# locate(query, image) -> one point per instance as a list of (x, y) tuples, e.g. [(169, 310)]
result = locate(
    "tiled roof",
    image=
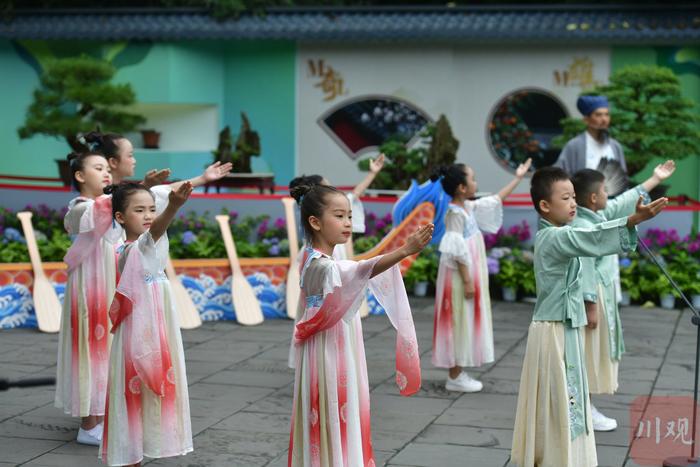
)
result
[(486, 24)]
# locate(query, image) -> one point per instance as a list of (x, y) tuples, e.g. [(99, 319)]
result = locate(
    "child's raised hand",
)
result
[(419, 239), (523, 168), (375, 165), (155, 177), (216, 171), (645, 212), (665, 170), (179, 196)]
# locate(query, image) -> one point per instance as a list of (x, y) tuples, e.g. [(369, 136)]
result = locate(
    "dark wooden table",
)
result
[(263, 181)]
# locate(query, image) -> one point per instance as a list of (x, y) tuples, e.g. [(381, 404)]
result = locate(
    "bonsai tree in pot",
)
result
[(247, 146), (76, 96)]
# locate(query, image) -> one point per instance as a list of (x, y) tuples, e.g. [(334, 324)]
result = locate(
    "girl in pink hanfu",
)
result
[(341, 250), (463, 329), (147, 403), (331, 412), (84, 341)]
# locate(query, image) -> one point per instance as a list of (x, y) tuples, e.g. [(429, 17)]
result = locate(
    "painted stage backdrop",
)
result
[(211, 295)]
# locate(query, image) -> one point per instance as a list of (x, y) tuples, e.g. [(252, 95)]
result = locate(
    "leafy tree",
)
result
[(649, 116), (437, 147), (76, 96)]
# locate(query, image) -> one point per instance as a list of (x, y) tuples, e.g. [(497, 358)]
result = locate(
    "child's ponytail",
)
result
[(450, 176), (106, 143)]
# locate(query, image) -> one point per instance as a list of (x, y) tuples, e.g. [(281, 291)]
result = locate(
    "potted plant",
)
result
[(417, 276), (76, 96), (508, 278), (524, 264), (629, 282), (151, 139), (692, 288), (664, 291)]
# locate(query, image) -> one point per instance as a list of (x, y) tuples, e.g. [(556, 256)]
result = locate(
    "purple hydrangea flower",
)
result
[(262, 229), (493, 265), (625, 263), (274, 250), (13, 235), (188, 237)]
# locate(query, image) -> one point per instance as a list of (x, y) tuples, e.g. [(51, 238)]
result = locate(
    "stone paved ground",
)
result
[(241, 390)]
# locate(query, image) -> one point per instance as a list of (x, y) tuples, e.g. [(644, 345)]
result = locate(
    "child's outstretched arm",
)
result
[(212, 173), (645, 212), (519, 174), (155, 177), (175, 200), (607, 238), (661, 173), (415, 243), (375, 166)]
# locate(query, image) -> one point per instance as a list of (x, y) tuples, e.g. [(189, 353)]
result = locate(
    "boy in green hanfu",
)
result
[(553, 419), (603, 335)]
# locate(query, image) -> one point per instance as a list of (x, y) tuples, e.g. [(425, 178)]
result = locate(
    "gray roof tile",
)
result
[(572, 24)]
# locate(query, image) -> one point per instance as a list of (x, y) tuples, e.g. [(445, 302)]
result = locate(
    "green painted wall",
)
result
[(35, 156), (686, 180), (255, 77), (260, 81)]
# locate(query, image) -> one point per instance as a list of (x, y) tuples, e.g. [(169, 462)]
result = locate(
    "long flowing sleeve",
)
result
[(603, 239), (488, 212), (161, 193), (624, 204), (452, 247), (343, 302), (589, 283), (135, 307), (92, 222)]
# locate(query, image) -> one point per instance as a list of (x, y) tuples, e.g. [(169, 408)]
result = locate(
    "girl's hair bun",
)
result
[(299, 191)]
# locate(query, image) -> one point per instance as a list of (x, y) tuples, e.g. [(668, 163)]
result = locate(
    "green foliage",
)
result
[(76, 96), (424, 268), (649, 116), (516, 271), (400, 167), (437, 147)]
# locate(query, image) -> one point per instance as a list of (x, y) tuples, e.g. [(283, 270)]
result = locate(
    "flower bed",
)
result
[(191, 235), (642, 279)]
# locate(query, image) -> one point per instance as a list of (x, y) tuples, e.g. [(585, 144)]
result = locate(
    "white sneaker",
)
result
[(91, 437), (601, 422), (463, 383)]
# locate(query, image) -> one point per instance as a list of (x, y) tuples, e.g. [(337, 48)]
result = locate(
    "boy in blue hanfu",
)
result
[(604, 345), (553, 417)]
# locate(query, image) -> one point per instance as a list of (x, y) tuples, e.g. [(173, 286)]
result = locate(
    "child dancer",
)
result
[(83, 341), (358, 210), (330, 417), (358, 223), (147, 404), (463, 330), (120, 154), (604, 345), (553, 420)]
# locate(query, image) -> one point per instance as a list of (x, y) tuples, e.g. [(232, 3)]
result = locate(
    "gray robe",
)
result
[(573, 156)]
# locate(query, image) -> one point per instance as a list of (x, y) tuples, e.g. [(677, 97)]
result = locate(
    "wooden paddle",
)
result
[(46, 304), (293, 289), (187, 310), (245, 302)]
